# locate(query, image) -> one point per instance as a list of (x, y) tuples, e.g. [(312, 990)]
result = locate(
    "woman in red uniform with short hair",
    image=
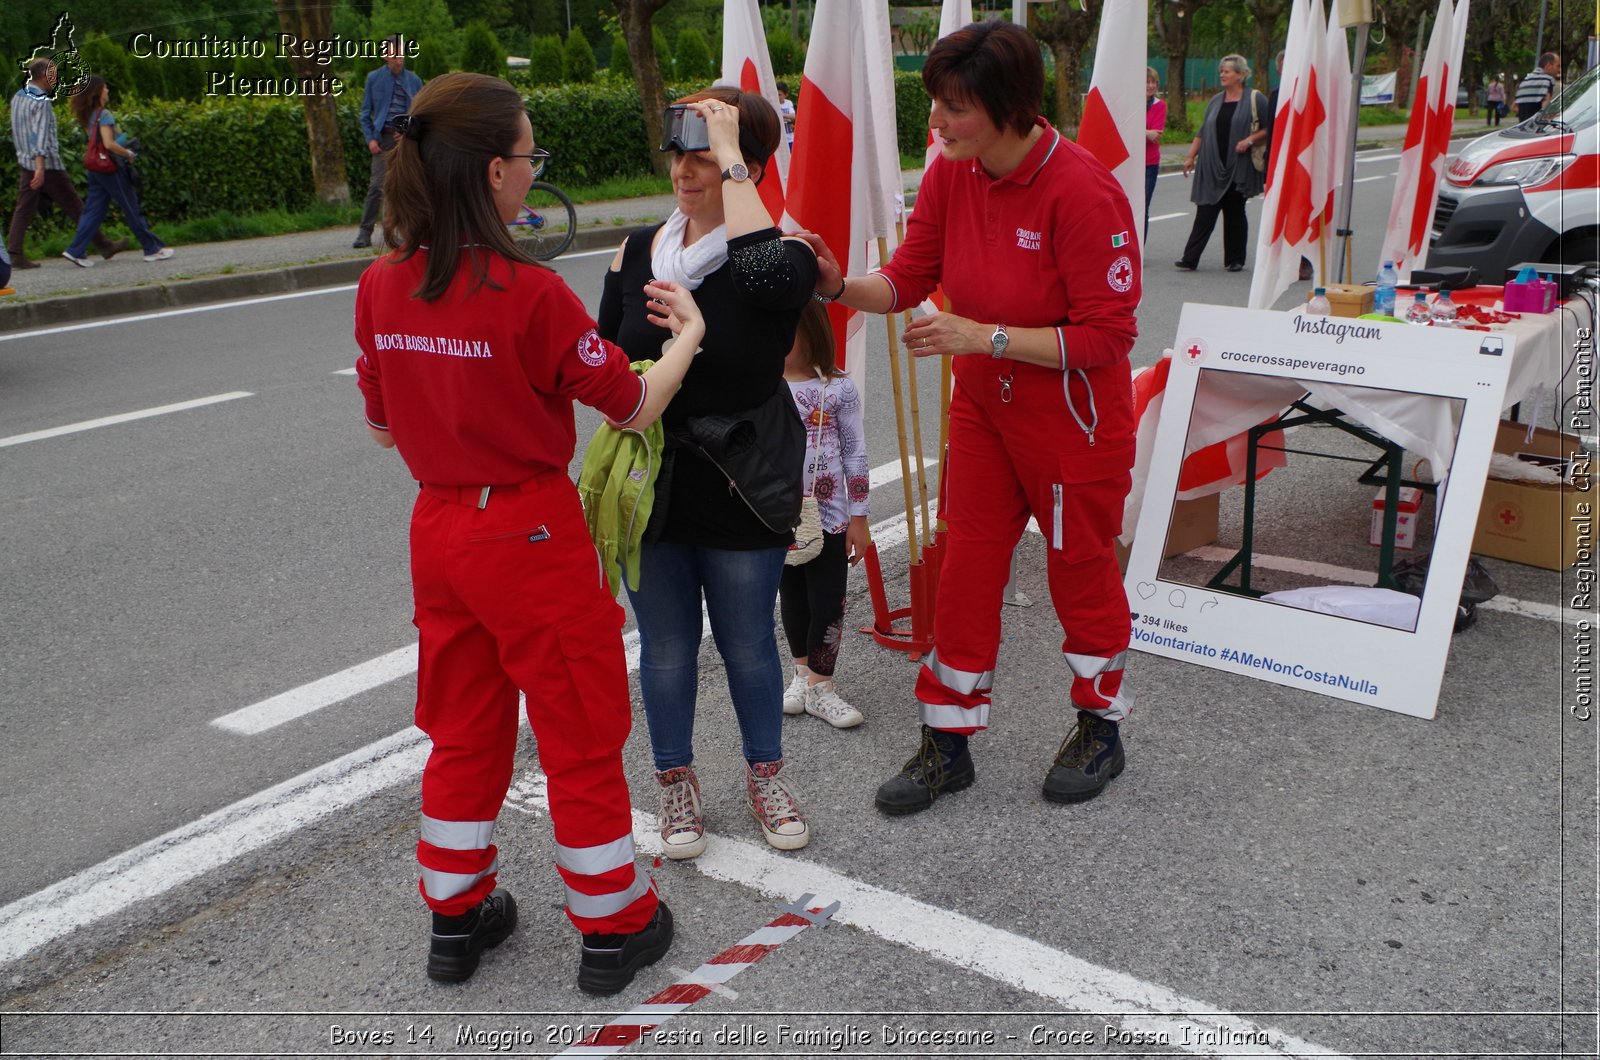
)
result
[(1031, 238), (472, 354)]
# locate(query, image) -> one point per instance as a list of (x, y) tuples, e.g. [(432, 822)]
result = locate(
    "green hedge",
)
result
[(236, 154), (246, 155)]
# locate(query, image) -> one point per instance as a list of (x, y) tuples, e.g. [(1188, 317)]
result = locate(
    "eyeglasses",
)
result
[(538, 159)]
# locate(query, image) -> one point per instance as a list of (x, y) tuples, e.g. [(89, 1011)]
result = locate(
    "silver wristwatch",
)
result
[(999, 341)]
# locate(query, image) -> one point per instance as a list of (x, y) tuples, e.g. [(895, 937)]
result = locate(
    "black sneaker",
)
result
[(610, 962), (1182, 265), (363, 240), (939, 767), (1090, 757), (458, 941)]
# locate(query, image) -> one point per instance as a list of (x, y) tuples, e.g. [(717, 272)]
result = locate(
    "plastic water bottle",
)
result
[(1419, 313), (1383, 295), (1319, 305), (1444, 310)]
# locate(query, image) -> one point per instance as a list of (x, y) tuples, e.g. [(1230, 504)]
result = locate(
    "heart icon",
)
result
[(1146, 590)]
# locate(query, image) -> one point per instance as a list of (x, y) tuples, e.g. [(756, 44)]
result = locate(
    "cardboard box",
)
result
[(1405, 528), (1540, 525), (1347, 300), (1194, 523)]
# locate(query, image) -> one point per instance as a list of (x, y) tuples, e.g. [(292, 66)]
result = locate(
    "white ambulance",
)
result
[(1529, 192)]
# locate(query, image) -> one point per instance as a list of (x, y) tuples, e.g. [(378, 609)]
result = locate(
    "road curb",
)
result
[(127, 301)]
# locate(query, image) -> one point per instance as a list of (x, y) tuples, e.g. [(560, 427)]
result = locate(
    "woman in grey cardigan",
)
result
[(1225, 176)]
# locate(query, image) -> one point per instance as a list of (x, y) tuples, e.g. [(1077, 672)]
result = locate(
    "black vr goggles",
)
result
[(683, 129)]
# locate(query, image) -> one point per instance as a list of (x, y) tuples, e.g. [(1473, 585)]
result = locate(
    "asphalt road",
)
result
[(1325, 874)]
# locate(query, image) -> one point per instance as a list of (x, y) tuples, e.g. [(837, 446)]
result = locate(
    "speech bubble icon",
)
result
[(1177, 598)]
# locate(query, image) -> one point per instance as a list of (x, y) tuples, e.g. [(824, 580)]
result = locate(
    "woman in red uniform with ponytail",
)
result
[(472, 354), (1031, 238)]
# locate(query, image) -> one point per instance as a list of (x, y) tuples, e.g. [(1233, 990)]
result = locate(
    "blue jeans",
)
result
[(1150, 175), (105, 189), (740, 587)]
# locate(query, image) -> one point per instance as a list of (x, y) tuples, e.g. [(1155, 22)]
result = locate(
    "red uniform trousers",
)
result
[(510, 595), (1007, 460)]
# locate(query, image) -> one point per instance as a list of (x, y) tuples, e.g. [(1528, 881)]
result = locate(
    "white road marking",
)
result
[(974, 946), (1376, 158), (345, 371), (165, 313), (153, 868), (1380, 176), (123, 417), (156, 867), (1167, 216), (298, 702)]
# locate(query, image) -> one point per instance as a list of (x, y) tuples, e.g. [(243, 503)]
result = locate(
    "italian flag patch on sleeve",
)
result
[(1119, 240)]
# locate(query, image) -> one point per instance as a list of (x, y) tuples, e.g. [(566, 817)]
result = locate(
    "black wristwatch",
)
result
[(825, 298)]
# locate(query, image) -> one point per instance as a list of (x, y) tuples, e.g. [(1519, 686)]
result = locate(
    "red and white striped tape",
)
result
[(630, 1027)]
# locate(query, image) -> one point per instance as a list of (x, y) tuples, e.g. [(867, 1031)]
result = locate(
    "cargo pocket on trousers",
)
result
[(1085, 516), (591, 647)]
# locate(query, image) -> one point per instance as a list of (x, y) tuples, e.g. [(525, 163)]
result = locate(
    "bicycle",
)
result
[(546, 220)]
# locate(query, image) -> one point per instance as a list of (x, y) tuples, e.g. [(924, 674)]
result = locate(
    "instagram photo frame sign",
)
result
[(1435, 391)]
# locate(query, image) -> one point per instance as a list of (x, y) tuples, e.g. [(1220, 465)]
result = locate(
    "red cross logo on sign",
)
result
[(1509, 516), (1194, 352)]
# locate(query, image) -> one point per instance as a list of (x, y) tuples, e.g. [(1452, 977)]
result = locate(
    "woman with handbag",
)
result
[(109, 182), (1229, 160), (811, 594), (705, 539)]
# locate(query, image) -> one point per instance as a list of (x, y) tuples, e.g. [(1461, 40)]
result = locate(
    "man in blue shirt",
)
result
[(389, 92), (33, 130)]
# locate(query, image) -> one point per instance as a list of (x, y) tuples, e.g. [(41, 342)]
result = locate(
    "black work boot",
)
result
[(941, 765), (610, 962), (458, 941), (363, 239), (1090, 757)]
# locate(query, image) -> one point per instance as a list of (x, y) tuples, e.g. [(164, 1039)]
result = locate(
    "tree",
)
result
[(1173, 24), (636, 16), (311, 20), (693, 56), (1266, 14), (480, 52), (579, 56), (620, 66), (1067, 26), (433, 58), (546, 63), (919, 32)]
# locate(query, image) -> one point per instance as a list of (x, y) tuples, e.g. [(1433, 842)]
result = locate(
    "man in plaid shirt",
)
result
[(33, 129)]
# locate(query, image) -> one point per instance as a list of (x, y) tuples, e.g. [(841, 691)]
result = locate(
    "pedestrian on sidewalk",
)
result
[(33, 131), (1155, 123), (1041, 423), (1237, 121), (811, 593), (1539, 87), (89, 107), (388, 95), (490, 350), (706, 541), (1496, 98)]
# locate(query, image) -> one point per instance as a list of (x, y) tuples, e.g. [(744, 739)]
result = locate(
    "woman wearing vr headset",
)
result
[(703, 541), (1031, 238), (472, 354)]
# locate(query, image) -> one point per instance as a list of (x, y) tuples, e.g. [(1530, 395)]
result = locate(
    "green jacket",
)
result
[(618, 487)]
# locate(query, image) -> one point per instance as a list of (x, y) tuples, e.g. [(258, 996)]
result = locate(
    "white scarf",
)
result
[(688, 265)]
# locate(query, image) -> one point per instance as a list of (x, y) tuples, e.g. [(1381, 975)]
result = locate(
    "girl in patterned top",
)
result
[(811, 595)]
